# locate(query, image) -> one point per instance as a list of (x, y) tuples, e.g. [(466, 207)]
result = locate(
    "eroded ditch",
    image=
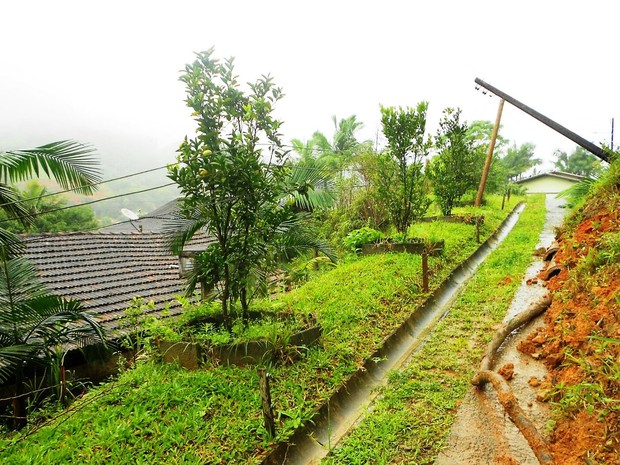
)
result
[(335, 419)]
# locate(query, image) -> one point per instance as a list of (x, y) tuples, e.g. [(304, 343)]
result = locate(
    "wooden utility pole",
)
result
[(487, 163)]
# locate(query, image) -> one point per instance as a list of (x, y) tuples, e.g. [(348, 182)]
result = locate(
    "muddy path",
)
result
[(482, 433)]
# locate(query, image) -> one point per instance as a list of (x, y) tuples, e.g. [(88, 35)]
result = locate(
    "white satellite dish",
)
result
[(127, 213)]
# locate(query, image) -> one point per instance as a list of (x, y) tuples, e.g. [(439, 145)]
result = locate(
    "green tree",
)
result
[(49, 214), (520, 159), (401, 182), (579, 162), (232, 187), (453, 170), (480, 131)]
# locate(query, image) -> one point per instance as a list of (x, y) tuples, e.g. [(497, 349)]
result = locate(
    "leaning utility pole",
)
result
[(589, 146), (487, 162)]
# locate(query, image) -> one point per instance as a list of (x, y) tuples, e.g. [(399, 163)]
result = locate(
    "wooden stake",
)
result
[(265, 394), (487, 163), (425, 270)]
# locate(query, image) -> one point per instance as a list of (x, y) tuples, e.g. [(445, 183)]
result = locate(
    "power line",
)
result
[(35, 215), (84, 186)]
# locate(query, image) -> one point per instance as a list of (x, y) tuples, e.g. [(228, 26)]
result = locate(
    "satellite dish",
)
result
[(129, 214), (132, 217)]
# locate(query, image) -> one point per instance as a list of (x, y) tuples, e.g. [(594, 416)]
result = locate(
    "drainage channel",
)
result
[(338, 416)]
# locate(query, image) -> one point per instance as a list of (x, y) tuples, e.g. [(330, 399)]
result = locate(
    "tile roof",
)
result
[(105, 271)]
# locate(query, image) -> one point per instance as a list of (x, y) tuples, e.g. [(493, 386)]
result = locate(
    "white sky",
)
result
[(106, 72)]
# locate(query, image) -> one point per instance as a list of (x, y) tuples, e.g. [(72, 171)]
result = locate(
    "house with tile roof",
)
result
[(106, 270)]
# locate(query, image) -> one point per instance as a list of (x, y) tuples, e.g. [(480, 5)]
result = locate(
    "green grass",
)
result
[(412, 418), (164, 414)]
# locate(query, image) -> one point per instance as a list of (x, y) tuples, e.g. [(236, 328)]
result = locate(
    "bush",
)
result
[(361, 236)]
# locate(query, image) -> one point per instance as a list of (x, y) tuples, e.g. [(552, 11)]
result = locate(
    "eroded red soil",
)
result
[(580, 342)]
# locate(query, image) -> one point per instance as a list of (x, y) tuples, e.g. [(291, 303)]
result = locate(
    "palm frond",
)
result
[(180, 229), (11, 356), (311, 185), (10, 245), (10, 202), (579, 191), (295, 237), (68, 162), (18, 286)]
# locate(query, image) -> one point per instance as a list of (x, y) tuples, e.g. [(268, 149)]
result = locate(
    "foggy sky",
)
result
[(107, 73)]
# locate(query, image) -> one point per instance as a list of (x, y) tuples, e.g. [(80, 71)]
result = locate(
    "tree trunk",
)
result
[(225, 298), (19, 401), (243, 298)]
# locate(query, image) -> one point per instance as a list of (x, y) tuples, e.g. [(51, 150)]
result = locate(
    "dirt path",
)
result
[(482, 433)]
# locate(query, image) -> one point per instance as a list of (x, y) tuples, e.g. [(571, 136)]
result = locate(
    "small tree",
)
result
[(401, 183), (453, 170), (234, 180), (223, 174)]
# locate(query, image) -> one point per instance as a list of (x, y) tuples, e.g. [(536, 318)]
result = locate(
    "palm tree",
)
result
[(68, 162), (520, 159), (34, 323), (338, 152)]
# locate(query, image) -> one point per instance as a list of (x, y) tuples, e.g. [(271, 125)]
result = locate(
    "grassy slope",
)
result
[(413, 417), (163, 414)]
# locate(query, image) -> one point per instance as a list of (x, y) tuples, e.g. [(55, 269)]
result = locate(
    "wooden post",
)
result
[(265, 395), (425, 270), (487, 162)]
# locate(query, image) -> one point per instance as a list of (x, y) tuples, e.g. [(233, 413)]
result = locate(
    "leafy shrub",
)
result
[(361, 236)]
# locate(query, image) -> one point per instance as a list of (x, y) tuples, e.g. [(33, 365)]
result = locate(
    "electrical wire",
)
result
[(50, 194), (35, 215)]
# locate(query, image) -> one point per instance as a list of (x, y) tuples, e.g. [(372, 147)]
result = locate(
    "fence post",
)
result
[(425, 269), (265, 394)]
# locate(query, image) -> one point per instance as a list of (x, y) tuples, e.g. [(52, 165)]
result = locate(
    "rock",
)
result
[(507, 371), (534, 381)]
